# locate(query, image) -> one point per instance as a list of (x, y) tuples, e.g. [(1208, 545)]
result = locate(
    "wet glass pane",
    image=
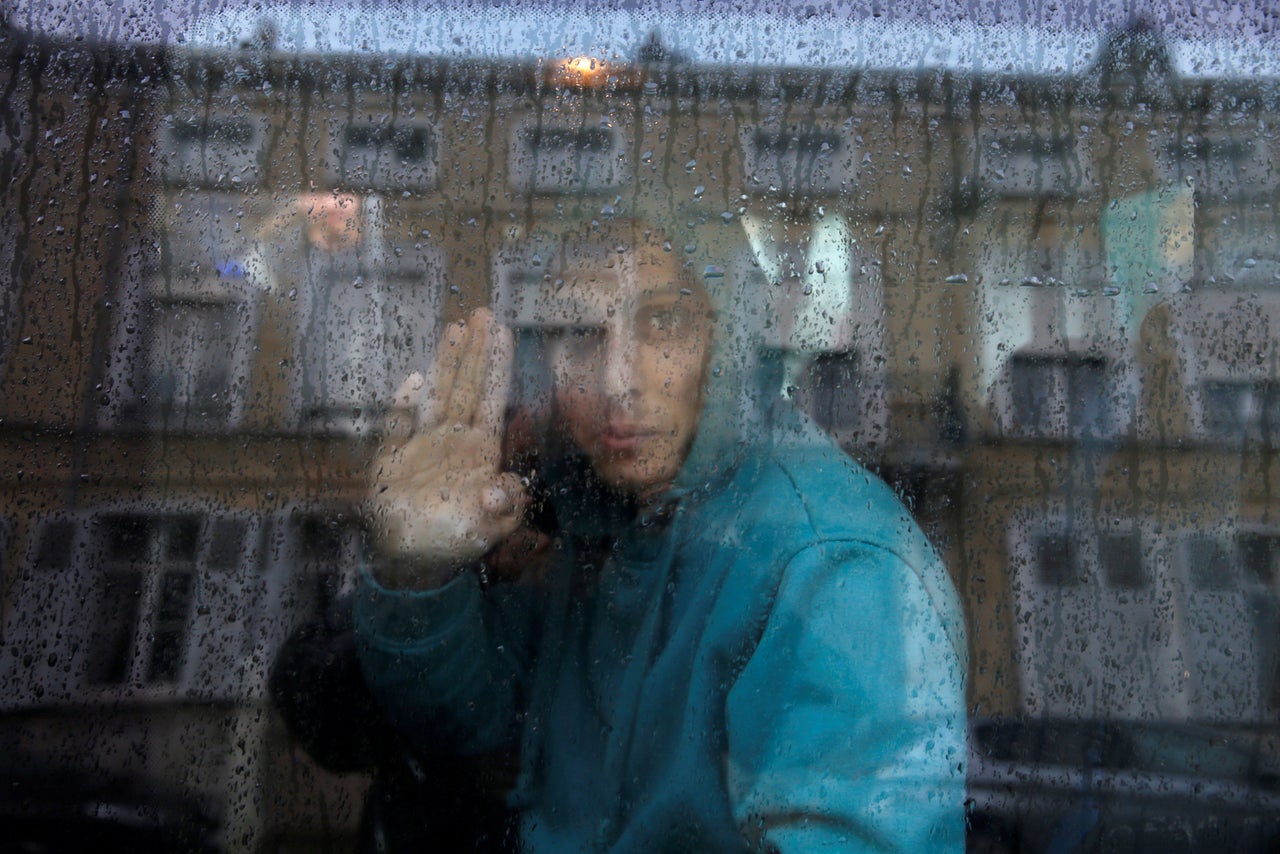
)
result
[(877, 405)]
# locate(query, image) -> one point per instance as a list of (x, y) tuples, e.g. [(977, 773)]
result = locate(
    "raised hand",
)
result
[(438, 498)]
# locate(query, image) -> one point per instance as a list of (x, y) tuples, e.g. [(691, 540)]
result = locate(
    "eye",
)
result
[(665, 319), (579, 342), (663, 324)]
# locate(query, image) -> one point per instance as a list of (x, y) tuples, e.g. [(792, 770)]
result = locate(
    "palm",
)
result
[(439, 496)]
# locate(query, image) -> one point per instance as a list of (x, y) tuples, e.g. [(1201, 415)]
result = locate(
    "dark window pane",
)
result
[(321, 538), (170, 626), (190, 363), (1209, 563), (1226, 409), (829, 390), (1056, 561), (1060, 393), (175, 596), (1121, 559), (115, 625), (127, 538), (56, 540), (227, 540), (1034, 394), (1258, 556), (184, 538), (1237, 411), (166, 655), (1087, 398)]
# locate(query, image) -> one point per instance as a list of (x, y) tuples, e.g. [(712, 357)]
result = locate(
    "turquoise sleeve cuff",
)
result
[(400, 619)]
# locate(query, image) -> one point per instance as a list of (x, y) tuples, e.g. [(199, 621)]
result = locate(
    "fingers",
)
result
[(407, 395), (471, 376), (401, 418), (468, 387), (438, 493), (451, 520), (491, 418), (443, 376), (488, 509), (502, 503), (505, 496)]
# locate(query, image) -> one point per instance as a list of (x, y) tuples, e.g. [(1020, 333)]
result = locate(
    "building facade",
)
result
[(1042, 302)]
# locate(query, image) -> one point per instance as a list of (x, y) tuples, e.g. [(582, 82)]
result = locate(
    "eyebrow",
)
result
[(674, 293), (664, 295)]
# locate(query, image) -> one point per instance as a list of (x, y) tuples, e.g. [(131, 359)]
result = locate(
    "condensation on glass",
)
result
[(1028, 275)]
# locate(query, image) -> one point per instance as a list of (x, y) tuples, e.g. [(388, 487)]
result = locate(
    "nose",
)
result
[(619, 369)]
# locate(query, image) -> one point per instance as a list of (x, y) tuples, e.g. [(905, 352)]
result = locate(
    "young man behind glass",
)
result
[(742, 641)]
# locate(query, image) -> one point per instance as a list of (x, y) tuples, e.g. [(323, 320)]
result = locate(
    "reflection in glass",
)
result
[(1023, 271)]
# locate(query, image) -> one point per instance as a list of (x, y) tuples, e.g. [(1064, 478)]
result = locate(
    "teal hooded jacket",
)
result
[(774, 659)]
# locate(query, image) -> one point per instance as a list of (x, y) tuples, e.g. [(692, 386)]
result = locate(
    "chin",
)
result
[(622, 481), (633, 479)]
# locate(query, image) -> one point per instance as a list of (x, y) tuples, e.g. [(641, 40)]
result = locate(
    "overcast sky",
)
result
[(171, 21)]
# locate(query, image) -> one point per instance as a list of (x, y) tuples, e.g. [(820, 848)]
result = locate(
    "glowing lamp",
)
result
[(585, 72)]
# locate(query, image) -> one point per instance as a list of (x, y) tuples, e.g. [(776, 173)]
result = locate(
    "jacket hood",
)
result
[(782, 290), (744, 376)]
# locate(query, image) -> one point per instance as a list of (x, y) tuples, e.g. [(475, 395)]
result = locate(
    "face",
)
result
[(333, 220), (629, 364)]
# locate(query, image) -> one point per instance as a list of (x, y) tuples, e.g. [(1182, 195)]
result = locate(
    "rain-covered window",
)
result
[(872, 392)]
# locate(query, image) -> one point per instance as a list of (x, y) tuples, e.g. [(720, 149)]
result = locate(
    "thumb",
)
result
[(505, 496)]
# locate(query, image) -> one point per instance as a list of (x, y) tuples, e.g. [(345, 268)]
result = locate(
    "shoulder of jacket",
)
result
[(816, 493)]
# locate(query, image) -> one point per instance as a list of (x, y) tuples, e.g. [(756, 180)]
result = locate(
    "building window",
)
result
[(135, 603), (1241, 410), (189, 371), (186, 322), (1057, 560), (220, 151), (385, 157), (190, 367), (567, 159), (54, 546), (368, 319), (1059, 396), (148, 574), (1120, 557), (1035, 166), (330, 550), (1236, 250), (1222, 168), (1210, 563), (829, 392), (798, 160)]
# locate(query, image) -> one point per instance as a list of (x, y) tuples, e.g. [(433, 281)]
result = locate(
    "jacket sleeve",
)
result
[(449, 665), (846, 728)]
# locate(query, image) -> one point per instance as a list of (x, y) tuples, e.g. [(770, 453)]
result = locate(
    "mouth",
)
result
[(622, 437)]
